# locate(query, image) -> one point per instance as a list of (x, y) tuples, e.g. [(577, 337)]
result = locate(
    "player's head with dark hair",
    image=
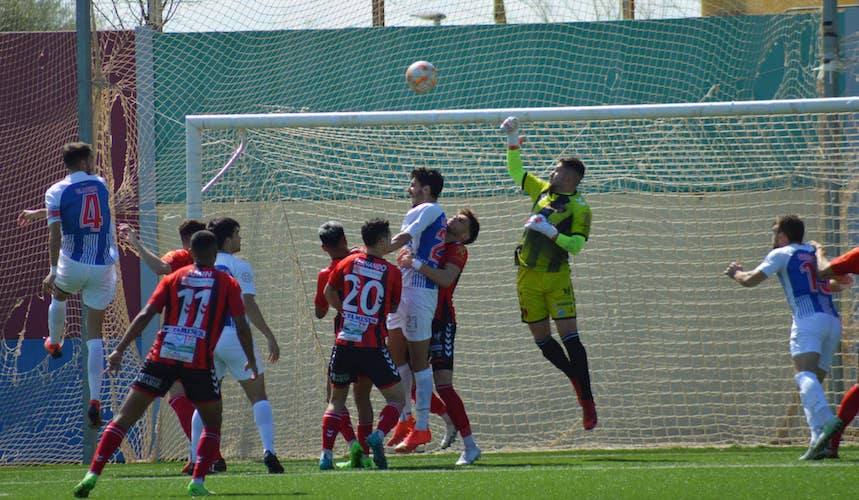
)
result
[(78, 156), (187, 229), (333, 239), (376, 233), (567, 175), (464, 226), (204, 248), (426, 185), (226, 230), (788, 229)]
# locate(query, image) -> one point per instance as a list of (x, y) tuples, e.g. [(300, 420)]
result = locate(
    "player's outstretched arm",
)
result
[(254, 314), (243, 331), (443, 277), (510, 126), (824, 269), (134, 330), (28, 216), (152, 261), (745, 278)]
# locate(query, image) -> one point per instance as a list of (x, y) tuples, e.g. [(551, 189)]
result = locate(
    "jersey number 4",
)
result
[(91, 212)]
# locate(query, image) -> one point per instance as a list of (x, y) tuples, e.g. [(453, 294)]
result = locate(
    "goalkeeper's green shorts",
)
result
[(544, 294)]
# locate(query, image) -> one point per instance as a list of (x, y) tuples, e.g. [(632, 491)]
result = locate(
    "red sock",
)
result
[(330, 427), (346, 426), (388, 418), (207, 451), (437, 406), (846, 412), (184, 411), (110, 440), (364, 430), (455, 409)]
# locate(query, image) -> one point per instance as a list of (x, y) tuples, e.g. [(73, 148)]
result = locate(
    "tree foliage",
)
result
[(36, 15)]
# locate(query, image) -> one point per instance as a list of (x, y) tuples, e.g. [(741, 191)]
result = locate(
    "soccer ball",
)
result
[(421, 77)]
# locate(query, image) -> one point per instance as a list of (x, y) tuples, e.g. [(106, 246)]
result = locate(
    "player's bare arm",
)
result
[(55, 242), (254, 314), (399, 241), (443, 277), (152, 261), (134, 330), (243, 332), (28, 216), (747, 279), (333, 298)]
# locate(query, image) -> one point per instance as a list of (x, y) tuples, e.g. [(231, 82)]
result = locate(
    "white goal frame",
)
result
[(195, 124)]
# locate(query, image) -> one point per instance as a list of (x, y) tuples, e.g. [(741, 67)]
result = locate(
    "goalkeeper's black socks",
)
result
[(553, 351), (579, 362)]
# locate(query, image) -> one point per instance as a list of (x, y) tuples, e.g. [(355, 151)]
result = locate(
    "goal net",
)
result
[(678, 354)]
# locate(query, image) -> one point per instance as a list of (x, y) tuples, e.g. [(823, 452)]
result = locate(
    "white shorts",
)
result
[(97, 284), (230, 357), (415, 313), (818, 333)]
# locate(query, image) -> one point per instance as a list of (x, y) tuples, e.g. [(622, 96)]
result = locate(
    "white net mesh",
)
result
[(262, 56), (678, 354)]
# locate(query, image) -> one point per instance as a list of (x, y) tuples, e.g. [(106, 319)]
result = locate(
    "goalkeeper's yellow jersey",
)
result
[(569, 213)]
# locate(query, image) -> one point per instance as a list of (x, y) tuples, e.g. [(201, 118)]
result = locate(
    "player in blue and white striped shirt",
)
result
[(83, 252), (816, 329)]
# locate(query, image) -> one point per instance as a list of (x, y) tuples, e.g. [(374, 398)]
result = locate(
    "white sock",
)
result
[(423, 395), (264, 419), (817, 411), (95, 367), (198, 480), (469, 442), (406, 377), (327, 454), (448, 421), (196, 433), (56, 320)]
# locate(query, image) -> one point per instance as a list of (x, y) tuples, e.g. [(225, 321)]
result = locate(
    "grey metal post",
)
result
[(830, 87), (85, 132), (146, 188)]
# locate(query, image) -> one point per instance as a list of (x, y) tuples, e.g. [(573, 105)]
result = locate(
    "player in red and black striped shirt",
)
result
[(196, 301), (462, 229), (170, 262), (363, 288), (334, 243)]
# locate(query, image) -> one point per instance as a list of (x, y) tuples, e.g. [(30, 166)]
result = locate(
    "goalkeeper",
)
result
[(559, 226)]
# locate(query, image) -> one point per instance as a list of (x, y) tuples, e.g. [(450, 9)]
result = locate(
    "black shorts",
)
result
[(155, 378), (441, 345), (348, 363)]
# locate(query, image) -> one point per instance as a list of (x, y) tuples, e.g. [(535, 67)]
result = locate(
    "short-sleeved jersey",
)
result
[(569, 213), (427, 225), (454, 253), (796, 268), (241, 270), (177, 259), (847, 263), (79, 203), (196, 303), (370, 288)]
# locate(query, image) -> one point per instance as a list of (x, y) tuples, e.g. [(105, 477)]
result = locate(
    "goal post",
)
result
[(679, 355)]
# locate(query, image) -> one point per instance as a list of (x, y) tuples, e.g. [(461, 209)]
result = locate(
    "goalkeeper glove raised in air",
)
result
[(511, 127), (539, 223)]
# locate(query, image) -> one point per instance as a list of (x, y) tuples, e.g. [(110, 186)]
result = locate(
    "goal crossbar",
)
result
[(195, 124)]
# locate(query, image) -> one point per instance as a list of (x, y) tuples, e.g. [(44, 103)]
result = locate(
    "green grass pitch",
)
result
[(756, 473)]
